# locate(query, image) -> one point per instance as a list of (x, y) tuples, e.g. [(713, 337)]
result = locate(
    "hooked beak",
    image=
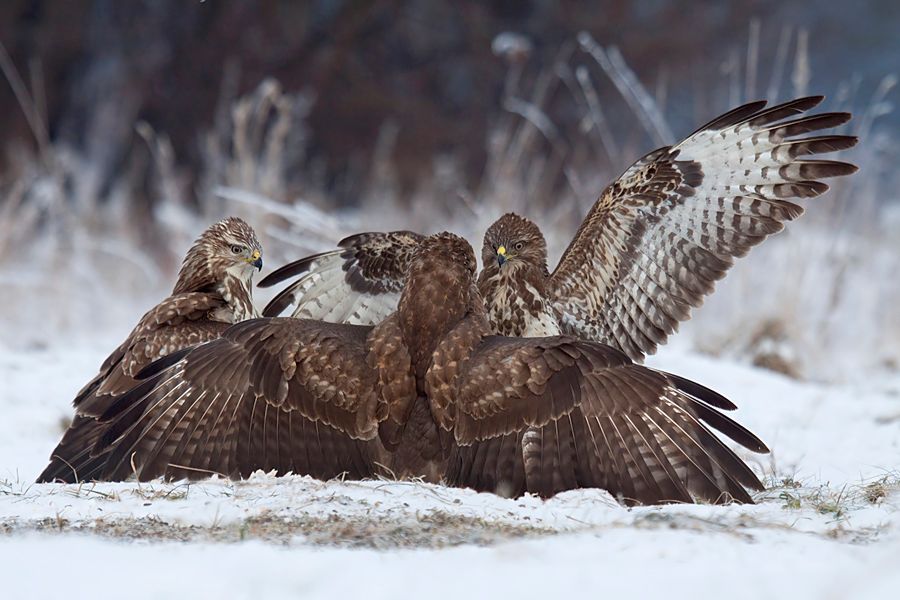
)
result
[(501, 255), (256, 260)]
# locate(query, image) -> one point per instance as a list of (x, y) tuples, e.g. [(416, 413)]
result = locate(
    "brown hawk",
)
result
[(650, 249), (213, 291), (428, 392)]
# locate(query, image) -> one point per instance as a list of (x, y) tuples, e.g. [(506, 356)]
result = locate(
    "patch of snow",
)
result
[(620, 562), (817, 536)]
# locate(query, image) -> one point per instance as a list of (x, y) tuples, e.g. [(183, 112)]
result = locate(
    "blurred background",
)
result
[(129, 127)]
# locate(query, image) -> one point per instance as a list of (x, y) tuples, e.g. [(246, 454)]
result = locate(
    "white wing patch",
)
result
[(325, 295)]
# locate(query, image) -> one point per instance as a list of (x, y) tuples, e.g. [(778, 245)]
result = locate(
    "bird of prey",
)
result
[(213, 291), (428, 392), (650, 249)]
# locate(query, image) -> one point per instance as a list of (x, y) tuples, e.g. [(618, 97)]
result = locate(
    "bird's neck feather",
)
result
[(510, 278), (515, 300), (433, 302), (238, 297)]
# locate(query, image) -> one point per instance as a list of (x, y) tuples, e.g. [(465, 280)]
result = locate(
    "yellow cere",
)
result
[(501, 250)]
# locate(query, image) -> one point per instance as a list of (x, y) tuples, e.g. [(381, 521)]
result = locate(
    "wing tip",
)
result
[(280, 302), (297, 267), (163, 363), (808, 102), (701, 392)]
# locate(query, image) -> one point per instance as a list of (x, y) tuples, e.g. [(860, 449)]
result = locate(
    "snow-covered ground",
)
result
[(829, 527)]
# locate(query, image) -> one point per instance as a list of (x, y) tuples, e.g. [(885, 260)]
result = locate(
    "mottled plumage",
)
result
[(428, 392), (213, 290), (513, 280), (359, 284), (650, 249)]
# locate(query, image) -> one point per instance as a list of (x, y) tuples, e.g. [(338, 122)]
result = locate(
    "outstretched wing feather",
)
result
[(257, 398), (584, 415), (659, 238), (359, 283)]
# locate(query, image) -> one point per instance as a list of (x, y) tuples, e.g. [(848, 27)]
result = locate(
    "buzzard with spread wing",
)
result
[(650, 249), (428, 392), (212, 292)]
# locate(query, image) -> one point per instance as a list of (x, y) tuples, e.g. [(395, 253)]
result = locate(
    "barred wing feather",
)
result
[(359, 283), (658, 238)]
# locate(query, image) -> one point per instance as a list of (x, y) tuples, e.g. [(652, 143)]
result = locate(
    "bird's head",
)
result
[(229, 247), (511, 241), (449, 251), (441, 275)]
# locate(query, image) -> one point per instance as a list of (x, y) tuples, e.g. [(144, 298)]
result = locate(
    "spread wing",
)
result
[(359, 284), (282, 394), (179, 321), (660, 236), (544, 415)]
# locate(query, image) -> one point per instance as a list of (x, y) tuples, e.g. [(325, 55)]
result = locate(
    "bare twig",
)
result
[(641, 102), (607, 139), (752, 59), (26, 102), (780, 61), (801, 75)]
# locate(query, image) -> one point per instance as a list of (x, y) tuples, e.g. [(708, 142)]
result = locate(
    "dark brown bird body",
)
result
[(212, 291), (429, 311), (427, 393)]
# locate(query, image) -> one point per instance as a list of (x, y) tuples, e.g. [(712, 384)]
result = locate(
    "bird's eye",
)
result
[(237, 249), (519, 245)]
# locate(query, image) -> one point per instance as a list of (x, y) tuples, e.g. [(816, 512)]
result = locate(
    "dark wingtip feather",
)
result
[(784, 110), (161, 364), (734, 116), (833, 143), (804, 103), (281, 301), (701, 392), (811, 123), (814, 99), (730, 428), (799, 189), (130, 400), (72, 460), (842, 117), (842, 168), (298, 267), (825, 168), (790, 211)]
